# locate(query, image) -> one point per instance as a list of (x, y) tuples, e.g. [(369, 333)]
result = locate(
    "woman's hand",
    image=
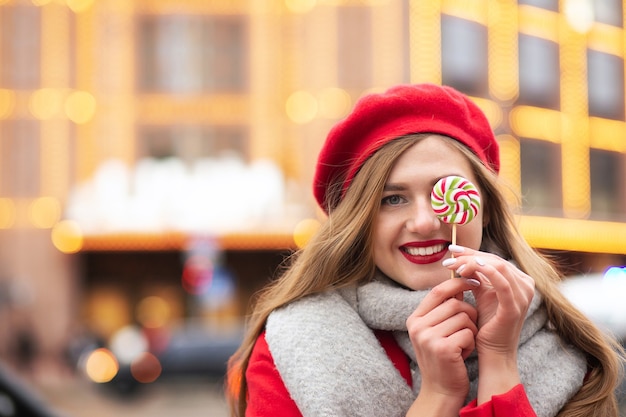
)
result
[(502, 301), (442, 330)]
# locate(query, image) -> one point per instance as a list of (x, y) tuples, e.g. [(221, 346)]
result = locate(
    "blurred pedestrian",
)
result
[(25, 348), (366, 320)]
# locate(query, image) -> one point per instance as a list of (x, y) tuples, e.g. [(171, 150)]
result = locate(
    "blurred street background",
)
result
[(156, 159), (187, 398)]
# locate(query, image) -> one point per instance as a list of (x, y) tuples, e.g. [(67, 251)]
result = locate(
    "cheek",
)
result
[(379, 226), (378, 238), (382, 236)]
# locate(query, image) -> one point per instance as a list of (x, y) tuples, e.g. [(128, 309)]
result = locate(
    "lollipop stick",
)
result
[(454, 243)]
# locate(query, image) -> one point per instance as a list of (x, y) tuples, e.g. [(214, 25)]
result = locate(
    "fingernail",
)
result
[(448, 262), (479, 261), (460, 269), (456, 248), (473, 282)]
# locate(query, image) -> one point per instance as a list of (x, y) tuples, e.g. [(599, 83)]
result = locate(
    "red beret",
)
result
[(401, 110)]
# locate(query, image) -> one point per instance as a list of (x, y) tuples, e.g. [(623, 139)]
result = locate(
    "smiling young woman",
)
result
[(366, 321)]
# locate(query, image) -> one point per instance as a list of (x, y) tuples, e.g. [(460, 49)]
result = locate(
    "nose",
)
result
[(422, 219)]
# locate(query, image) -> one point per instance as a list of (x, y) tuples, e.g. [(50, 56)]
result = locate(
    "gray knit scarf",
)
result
[(333, 365)]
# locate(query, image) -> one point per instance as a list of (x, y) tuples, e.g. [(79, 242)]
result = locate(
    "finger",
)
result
[(444, 291), (505, 278), (461, 250), (513, 291), (465, 339), (505, 285), (456, 331), (469, 261), (445, 311), (457, 323)]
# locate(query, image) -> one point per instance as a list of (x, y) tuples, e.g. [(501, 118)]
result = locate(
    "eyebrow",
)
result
[(391, 186), (394, 187)]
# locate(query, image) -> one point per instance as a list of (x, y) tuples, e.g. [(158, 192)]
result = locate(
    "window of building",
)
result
[(354, 37), (552, 5), (608, 11), (539, 72), (605, 74), (541, 177), (192, 54), (20, 44), (464, 55), (189, 143), (608, 195)]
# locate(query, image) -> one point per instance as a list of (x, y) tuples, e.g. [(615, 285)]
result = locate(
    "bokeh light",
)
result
[(67, 236), (334, 103), (300, 6), (128, 343), (145, 368), (304, 230), (108, 308), (45, 212), (534, 122), (301, 107), (7, 101), (80, 107), (153, 312), (101, 365), (579, 14), (79, 6), (7, 213), (46, 103)]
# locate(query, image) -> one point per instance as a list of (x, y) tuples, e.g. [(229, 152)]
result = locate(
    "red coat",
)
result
[(268, 396)]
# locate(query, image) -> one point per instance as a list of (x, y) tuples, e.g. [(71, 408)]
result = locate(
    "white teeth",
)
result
[(423, 251)]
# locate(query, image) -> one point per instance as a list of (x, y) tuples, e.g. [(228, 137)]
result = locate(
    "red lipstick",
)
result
[(425, 252)]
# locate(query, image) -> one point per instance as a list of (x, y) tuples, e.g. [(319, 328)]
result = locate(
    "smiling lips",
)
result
[(425, 252)]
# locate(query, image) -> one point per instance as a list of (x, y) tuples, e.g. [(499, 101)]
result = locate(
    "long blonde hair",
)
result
[(340, 255)]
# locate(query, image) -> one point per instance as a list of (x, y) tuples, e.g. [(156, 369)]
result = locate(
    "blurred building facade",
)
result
[(95, 95)]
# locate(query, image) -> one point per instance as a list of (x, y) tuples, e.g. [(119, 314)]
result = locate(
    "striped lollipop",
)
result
[(455, 200)]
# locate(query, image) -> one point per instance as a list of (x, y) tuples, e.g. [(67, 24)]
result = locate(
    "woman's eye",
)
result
[(392, 200)]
